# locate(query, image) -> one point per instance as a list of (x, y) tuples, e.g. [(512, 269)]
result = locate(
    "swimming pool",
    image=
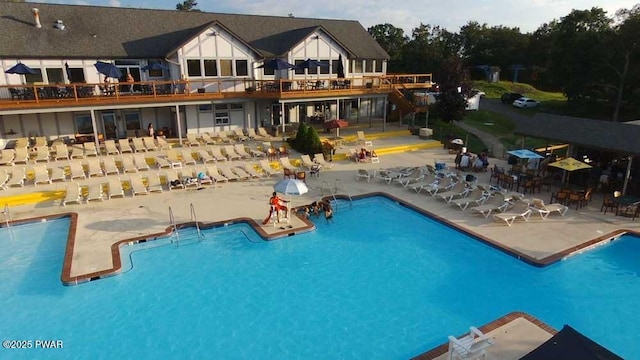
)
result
[(348, 290)]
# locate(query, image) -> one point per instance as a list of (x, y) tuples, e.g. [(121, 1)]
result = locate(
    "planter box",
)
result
[(425, 133)]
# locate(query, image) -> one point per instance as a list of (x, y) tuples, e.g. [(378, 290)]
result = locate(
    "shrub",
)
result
[(312, 143)]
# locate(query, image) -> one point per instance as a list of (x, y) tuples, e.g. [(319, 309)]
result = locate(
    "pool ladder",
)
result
[(194, 219), (339, 186), (7, 220)]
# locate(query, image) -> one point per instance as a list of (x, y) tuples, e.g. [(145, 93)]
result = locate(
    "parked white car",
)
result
[(524, 102)]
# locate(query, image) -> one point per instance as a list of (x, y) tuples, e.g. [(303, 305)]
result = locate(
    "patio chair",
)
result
[(7, 157), (73, 194), (41, 175), (319, 159), (57, 174), (138, 145), (266, 167), (187, 157), (137, 186), (240, 150), (128, 165), (90, 149), (476, 197), (231, 153), (125, 146), (95, 193), (609, 204), (77, 151), (363, 174), (544, 210), (18, 177), (520, 210), (140, 162), (153, 182), (214, 173), (226, 172), (93, 165), (217, 154), (111, 148), (62, 152), (307, 162), (491, 205), (22, 156), (472, 345), (115, 187), (109, 166), (76, 170), (149, 143)]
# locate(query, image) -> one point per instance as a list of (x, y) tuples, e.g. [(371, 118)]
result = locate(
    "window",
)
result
[(368, 66), (378, 67), (324, 69), (226, 68), (242, 68), (268, 71), (34, 78), (312, 70), (222, 107), (205, 108), (357, 66), (210, 68), (83, 124), (193, 68), (152, 72), (236, 106), (132, 121), (54, 76), (297, 70), (222, 118), (334, 66), (76, 75)]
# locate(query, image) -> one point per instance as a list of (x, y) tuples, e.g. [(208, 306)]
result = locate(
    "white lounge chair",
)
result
[(239, 135), (153, 182), (57, 174), (41, 175), (250, 169), (383, 175), (162, 162), (208, 140), (266, 167), (110, 166), (222, 136), (226, 172), (90, 149), (94, 167), (162, 143), (128, 165), (307, 162), (149, 143), (173, 180), (22, 156), (458, 190), (472, 345), (428, 181), (214, 173), (76, 170), (137, 186), (62, 152), (363, 174), (138, 145), (187, 157), (412, 178), (231, 153), (242, 174), (205, 157), (319, 159), (172, 158), (95, 193), (217, 154), (140, 162), (476, 197), (18, 177), (192, 140), (4, 177), (443, 185), (73, 195), (544, 210), (493, 204), (77, 151), (286, 163), (263, 132), (111, 148), (115, 187), (240, 150), (7, 157), (519, 211), (125, 146), (203, 178), (251, 132)]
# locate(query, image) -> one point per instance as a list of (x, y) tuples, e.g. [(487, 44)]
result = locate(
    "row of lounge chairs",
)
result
[(221, 137)]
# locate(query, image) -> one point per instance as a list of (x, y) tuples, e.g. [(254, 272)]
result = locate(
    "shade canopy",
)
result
[(307, 64), (108, 69), (276, 64), (291, 187), (21, 69), (154, 66), (336, 124), (525, 154), (570, 344), (570, 164)]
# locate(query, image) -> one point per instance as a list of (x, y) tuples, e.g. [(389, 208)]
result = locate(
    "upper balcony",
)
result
[(38, 96)]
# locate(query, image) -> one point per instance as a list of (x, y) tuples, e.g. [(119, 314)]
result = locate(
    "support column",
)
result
[(282, 117), (626, 175), (179, 124), (95, 130), (384, 116)]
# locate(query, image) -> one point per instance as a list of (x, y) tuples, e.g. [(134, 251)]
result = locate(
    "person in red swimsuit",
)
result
[(277, 206)]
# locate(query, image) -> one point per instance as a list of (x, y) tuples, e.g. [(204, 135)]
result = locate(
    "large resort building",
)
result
[(192, 72)]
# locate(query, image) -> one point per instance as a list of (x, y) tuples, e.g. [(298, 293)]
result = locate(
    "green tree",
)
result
[(626, 45), (390, 38), (299, 142), (454, 90), (312, 143), (428, 50), (187, 5)]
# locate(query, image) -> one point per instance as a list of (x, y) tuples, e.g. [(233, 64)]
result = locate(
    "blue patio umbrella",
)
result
[(276, 64), (154, 66), (307, 64), (108, 69), (21, 69), (525, 154)]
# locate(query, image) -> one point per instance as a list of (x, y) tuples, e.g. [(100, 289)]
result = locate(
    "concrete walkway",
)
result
[(496, 149)]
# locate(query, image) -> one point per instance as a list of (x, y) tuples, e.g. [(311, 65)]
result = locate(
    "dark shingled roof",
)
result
[(95, 32), (599, 134)]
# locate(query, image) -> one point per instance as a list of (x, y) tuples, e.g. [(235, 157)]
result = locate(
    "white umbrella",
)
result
[(290, 187), (457, 141)]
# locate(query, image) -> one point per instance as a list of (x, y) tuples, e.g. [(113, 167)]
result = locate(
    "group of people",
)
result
[(318, 207), (363, 155), (468, 161), (277, 205)]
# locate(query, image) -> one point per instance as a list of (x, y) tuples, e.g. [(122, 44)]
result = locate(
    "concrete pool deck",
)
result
[(100, 225)]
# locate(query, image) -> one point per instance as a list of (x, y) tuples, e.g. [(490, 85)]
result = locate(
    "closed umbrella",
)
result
[(336, 124), (108, 69), (67, 69), (290, 187), (21, 69), (340, 70)]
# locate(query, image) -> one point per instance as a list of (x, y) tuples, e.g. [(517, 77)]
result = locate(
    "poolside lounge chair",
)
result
[(77, 151), (138, 145), (208, 140), (94, 167), (162, 143), (90, 149), (477, 197), (519, 211), (190, 178), (115, 187), (95, 193), (7, 157), (307, 162), (286, 163), (172, 157), (205, 157), (153, 182), (76, 170), (216, 153), (257, 153), (266, 167), (428, 180), (363, 140), (62, 152), (319, 159), (128, 165), (110, 166), (149, 143), (22, 156), (187, 157), (493, 204), (56, 174), (242, 175), (41, 175), (140, 162), (4, 177), (203, 178), (472, 345), (73, 195), (137, 186), (263, 132), (18, 177), (544, 210), (240, 150), (383, 175), (125, 146), (363, 174), (192, 140), (458, 190), (231, 153), (443, 185), (413, 178), (251, 170), (222, 136), (239, 135), (111, 148), (162, 162), (214, 173), (173, 180), (226, 172), (251, 133), (41, 141)]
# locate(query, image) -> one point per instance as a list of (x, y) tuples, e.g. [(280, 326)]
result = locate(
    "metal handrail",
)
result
[(172, 220), (195, 220)]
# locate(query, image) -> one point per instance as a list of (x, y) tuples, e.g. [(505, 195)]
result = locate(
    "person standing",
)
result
[(130, 81), (150, 130)]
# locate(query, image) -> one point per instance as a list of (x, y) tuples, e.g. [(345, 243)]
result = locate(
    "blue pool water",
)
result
[(349, 290)]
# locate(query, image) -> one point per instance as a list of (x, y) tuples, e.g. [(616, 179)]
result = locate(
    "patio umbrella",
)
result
[(290, 187), (276, 64), (154, 66), (67, 69), (108, 69), (336, 124), (570, 344), (340, 70), (21, 69), (570, 164), (525, 154), (311, 64)]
